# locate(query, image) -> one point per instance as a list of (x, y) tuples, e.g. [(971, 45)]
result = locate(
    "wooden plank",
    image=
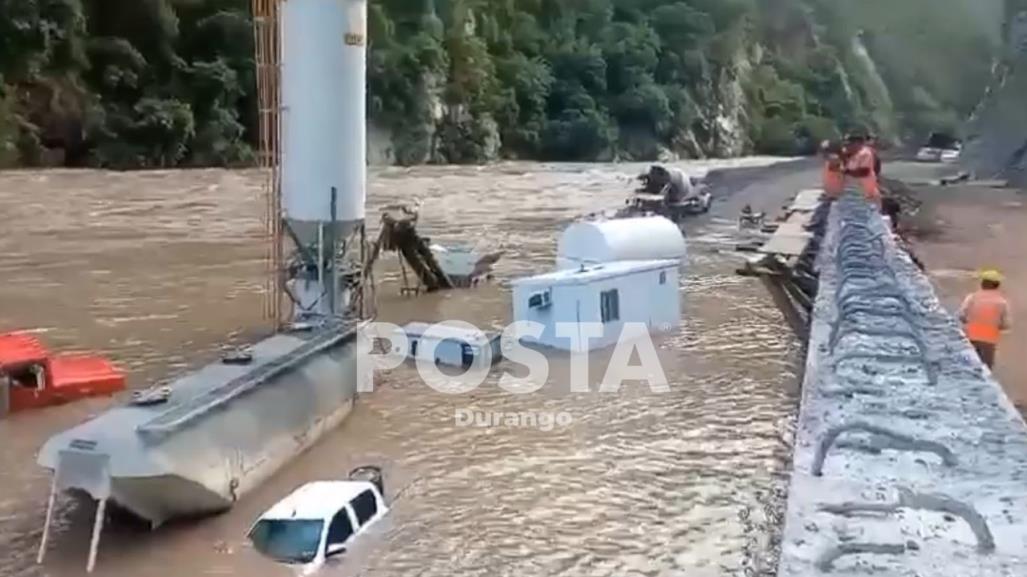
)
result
[(795, 223), (787, 244), (801, 218), (791, 236), (807, 200), (792, 230)]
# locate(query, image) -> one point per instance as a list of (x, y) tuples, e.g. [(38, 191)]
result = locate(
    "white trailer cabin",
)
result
[(610, 294), (453, 346), (644, 238)]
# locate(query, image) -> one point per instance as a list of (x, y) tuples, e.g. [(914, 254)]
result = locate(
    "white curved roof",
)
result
[(589, 273), (318, 500), (621, 239)]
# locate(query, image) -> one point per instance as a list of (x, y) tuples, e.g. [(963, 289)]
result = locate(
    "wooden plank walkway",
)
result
[(779, 262), (791, 237)]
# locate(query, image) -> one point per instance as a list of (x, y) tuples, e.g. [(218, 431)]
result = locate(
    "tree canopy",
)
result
[(161, 83)]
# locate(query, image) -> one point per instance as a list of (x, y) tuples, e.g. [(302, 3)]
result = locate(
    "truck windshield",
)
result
[(287, 540)]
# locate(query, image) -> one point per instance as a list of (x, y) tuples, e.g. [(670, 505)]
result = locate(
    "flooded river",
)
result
[(159, 269)]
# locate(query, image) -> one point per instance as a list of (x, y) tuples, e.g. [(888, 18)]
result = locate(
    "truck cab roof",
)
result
[(21, 348), (318, 500)]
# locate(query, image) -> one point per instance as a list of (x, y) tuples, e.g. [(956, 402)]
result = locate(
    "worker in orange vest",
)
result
[(834, 169), (860, 165), (985, 314), (875, 146)]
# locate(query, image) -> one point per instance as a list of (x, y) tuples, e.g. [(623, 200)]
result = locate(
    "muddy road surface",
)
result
[(161, 269)]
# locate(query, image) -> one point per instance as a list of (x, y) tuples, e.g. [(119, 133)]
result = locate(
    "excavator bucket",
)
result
[(399, 234)]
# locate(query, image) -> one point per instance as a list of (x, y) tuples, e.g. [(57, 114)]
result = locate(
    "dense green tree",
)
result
[(522, 109), (151, 83)]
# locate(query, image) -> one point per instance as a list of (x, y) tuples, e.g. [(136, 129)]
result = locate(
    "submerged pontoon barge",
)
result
[(198, 444)]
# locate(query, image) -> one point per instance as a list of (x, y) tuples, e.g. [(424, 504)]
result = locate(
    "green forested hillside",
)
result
[(147, 83)]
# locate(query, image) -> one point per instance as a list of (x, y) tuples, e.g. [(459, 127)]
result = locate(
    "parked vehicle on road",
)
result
[(940, 148)]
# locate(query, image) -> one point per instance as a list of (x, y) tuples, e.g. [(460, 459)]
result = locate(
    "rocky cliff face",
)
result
[(997, 135), (723, 125), (468, 81), (727, 114), (729, 103)]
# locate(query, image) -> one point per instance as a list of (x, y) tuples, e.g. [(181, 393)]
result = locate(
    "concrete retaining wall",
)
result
[(909, 458)]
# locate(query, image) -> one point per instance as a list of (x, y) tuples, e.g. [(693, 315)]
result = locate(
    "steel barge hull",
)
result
[(221, 431)]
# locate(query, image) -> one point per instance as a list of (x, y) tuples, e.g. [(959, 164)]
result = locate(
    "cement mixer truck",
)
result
[(668, 192)]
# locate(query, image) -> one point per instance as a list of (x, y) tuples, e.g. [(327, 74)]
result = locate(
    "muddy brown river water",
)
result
[(160, 269)]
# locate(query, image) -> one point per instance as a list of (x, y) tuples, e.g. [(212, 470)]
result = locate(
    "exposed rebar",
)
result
[(825, 562), (909, 499), (897, 440)]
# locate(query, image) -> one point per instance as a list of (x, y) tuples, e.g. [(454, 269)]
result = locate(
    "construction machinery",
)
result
[(434, 266), (669, 193), (32, 378)]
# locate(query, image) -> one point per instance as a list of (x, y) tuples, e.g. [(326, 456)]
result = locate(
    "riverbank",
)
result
[(964, 228)]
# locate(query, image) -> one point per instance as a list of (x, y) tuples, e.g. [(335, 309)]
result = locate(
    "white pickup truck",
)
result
[(940, 148), (317, 521), (945, 155)]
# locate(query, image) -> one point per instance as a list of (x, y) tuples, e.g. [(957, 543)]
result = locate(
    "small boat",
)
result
[(749, 220), (32, 378)]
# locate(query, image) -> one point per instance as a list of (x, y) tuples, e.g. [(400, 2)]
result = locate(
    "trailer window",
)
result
[(365, 506), (540, 300), (609, 306)]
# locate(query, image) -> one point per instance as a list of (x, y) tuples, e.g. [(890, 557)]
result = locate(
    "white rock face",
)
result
[(997, 143)]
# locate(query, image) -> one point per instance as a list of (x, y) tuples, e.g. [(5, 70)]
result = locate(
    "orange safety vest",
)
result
[(834, 178), (865, 159), (984, 316)]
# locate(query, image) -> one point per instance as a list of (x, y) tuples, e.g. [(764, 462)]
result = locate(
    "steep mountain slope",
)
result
[(997, 136)]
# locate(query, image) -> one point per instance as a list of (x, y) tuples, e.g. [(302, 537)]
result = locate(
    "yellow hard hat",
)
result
[(991, 275)]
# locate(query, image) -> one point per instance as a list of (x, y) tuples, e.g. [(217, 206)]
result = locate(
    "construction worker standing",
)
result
[(985, 314), (834, 174), (860, 165)]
